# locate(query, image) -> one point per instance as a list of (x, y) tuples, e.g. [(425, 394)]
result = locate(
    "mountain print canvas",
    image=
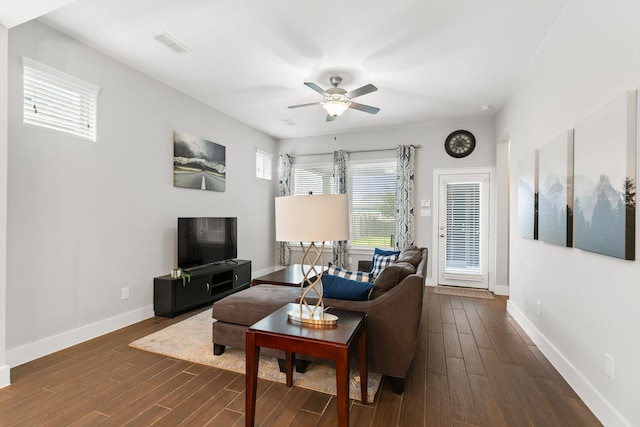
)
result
[(605, 180), (198, 163), (528, 196), (555, 190)]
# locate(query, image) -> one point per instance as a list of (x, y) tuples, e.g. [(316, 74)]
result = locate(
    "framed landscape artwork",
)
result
[(198, 163), (555, 190), (605, 179), (528, 196)]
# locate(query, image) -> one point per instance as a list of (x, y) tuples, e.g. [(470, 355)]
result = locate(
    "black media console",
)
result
[(208, 283)]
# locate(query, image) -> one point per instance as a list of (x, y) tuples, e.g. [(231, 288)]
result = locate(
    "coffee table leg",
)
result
[(342, 386), (288, 367), (253, 357), (362, 359)]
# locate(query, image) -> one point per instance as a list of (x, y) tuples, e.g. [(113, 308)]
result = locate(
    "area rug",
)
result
[(463, 292), (190, 340)]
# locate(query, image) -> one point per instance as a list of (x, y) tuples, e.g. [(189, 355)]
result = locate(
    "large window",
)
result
[(372, 197)]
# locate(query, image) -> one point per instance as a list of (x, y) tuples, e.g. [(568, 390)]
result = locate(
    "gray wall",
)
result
[(86, 219), (589, 302)]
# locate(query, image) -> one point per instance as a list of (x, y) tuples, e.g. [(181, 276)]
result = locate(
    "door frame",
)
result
[(491, 256)]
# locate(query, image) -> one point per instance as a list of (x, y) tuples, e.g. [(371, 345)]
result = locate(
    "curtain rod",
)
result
[(353, 151)]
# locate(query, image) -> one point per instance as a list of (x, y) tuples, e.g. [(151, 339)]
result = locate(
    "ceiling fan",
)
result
[(337, 100)]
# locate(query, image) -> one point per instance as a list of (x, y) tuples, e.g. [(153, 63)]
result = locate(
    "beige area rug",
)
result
[(190, 340), (463, 292)]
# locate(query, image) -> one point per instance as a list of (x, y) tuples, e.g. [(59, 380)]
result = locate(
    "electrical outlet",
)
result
[(539, 309), (125, 293), (608, 365)]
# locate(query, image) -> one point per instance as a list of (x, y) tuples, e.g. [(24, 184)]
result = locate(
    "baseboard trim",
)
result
[(28, 352), (5, 376), (601, 408)]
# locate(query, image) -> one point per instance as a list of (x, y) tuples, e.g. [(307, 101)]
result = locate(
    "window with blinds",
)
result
[(263, 164), (373, 204), (58, 101), (372, 196), (463, 228), (316, 178)]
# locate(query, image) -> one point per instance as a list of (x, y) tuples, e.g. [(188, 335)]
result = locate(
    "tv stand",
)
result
[(208, 283)]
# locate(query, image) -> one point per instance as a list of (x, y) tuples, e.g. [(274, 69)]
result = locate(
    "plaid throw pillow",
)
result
[(380, 262), (360, 276)]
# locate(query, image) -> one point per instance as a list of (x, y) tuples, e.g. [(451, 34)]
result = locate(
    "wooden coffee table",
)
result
[(288, 276), (276, 331)]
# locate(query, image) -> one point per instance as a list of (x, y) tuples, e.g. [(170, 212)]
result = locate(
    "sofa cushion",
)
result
[(380, 262), (361, 276), (411, 255), (389, 277), (337, 287)]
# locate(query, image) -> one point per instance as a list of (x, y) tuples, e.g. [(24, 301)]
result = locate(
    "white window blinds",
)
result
[(373, 203), (263, 164), (463, 228), (315, 178), (58, 101)]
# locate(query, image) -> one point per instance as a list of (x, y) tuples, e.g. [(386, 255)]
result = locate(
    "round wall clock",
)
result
[(460, 143)]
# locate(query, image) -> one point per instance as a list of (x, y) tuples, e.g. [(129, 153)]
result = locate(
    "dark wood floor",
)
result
[(474, 366)]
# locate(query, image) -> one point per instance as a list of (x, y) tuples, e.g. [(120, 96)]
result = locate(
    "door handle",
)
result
[(442, 235)]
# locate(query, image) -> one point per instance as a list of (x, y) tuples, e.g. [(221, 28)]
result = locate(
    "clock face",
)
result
[(460, 143)]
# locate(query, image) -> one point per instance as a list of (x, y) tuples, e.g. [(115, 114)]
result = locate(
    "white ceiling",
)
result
[(432, 60)]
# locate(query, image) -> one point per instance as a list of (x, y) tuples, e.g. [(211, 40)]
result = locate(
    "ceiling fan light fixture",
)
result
[(335, 108)]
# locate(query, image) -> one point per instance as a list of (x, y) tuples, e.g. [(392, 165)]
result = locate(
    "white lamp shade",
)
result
[(312, 218)]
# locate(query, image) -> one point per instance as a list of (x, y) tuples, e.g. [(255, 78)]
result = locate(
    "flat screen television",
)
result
[(203, 241)]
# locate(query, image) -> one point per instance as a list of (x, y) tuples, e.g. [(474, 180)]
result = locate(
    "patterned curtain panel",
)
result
[(284, 189), (405, 199), (340, 249)]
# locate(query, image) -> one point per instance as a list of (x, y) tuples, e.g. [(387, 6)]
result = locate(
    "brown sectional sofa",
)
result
[(393, 310)]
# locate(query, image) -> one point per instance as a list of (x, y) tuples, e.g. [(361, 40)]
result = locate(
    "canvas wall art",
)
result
[(528, 196), (198, 163), (555, 190), (605, 179)]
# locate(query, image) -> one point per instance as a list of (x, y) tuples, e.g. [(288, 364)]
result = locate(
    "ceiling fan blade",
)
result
[(316, 88), (362, 91), (366, 108), (330, 118), (303, 105)]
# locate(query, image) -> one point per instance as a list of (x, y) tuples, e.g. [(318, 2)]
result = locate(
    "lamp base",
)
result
[(317, 319)]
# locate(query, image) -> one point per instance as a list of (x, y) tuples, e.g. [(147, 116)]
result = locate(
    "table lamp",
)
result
[(312, 218)]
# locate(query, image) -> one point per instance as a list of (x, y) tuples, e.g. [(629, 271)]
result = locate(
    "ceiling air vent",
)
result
[(171, 43)]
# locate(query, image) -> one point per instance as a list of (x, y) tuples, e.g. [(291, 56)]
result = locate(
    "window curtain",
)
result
[(340, 248), (405, 198), (284, 189)]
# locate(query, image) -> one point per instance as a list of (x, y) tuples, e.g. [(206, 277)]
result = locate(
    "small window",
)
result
[(263, 164), (58, 101)]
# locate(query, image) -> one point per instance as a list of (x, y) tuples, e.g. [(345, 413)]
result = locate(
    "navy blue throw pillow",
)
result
[(340, 288), (384, 252)]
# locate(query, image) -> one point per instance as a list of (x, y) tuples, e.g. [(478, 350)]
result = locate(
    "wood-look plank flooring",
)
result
[(474, 366)]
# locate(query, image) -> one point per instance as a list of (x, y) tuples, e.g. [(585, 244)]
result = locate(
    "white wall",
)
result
[(86, 219), (4, 50), (432, 155), (590, 302)]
